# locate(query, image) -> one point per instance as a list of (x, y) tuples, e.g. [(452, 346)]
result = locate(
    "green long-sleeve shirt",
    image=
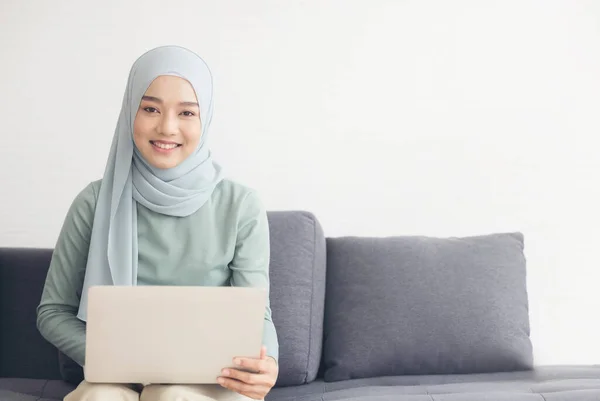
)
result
[(226, 242)]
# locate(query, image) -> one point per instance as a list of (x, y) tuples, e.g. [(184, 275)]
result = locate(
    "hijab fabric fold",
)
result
[(129, 179)]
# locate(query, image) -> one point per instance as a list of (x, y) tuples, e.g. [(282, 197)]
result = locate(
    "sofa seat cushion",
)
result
[(15, 389), (552, 383)]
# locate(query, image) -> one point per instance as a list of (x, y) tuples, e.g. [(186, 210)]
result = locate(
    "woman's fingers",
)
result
[(263, 352), (254, 377), (255, 365), (248, 378), (245, 377), (256, 391)]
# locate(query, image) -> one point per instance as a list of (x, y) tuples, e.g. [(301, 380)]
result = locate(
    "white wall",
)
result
[(382, 117)]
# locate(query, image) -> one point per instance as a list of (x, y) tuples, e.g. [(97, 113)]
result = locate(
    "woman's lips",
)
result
[(164, 147)]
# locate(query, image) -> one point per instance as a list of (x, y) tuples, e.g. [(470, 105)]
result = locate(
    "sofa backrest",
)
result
[(297, 273), (395, 306), (23, 351)]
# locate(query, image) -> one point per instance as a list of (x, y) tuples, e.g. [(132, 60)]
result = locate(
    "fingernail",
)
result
[(226, 372), (220, 380), (237, 361)]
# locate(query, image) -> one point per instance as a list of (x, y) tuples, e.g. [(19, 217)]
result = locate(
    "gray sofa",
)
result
[(403, 318)]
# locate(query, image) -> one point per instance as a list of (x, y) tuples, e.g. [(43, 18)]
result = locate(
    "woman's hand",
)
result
[(255, 384)]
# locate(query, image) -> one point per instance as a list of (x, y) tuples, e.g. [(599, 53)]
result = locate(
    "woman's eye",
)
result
[(150, 109), (188, 113)]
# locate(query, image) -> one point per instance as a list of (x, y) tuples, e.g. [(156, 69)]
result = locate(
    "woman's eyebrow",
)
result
[(158, 100)]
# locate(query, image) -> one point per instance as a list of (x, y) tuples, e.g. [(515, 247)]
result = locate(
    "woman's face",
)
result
[(167, 125)]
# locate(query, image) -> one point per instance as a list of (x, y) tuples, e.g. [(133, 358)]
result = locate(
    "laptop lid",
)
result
[(170, 334)]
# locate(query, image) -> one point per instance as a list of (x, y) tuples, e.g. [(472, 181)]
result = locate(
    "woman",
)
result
[(162, 215)]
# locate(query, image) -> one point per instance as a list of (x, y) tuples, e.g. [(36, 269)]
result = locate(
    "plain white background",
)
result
[(440, 118)]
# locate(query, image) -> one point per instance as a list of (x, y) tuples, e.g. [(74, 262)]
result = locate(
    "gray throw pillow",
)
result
[(421, 305)]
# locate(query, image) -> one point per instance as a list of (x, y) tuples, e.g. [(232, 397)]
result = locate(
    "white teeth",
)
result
[(164, 145)]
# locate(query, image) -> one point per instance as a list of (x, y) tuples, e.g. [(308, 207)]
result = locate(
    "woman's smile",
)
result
[(165, 146)]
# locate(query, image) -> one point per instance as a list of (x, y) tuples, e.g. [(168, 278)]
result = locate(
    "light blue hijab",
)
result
[(129, 179)]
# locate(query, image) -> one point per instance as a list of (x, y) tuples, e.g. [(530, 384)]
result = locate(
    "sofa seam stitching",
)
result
[(429, 394), (312, 294), (43, 391)]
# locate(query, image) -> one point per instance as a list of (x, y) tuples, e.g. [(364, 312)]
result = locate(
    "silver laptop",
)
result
[(170, 334)]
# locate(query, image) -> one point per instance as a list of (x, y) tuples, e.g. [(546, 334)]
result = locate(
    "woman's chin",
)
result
[(163, 160), (164, 163)]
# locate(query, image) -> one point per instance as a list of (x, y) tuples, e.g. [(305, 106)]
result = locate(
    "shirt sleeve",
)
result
[(57, 312), (250, 264)]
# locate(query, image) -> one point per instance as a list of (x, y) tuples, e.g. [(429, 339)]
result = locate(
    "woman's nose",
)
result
[(169, 126)]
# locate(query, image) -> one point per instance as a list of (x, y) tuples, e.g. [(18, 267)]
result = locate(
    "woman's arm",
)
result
[(57, 313), (250, 264), (250, 268)]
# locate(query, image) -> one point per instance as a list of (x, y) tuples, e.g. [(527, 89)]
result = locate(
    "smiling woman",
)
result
[(167, 127), (162, 214)]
